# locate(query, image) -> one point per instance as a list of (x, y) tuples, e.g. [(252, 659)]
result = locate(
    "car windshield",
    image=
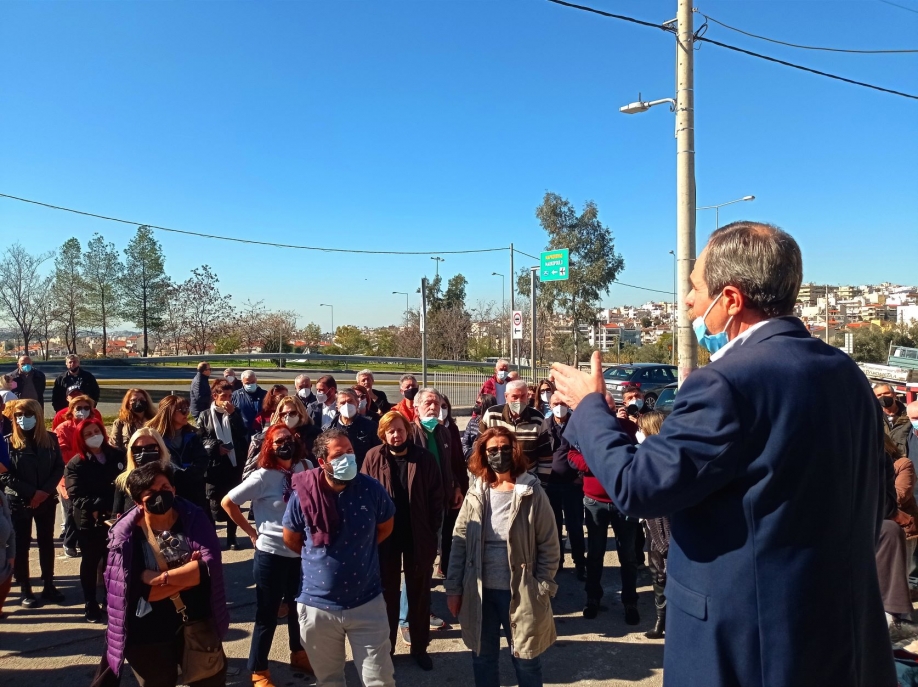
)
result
[(618, 373), (666, 399)]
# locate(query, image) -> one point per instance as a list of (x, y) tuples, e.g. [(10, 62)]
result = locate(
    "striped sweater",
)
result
[(529, 430)]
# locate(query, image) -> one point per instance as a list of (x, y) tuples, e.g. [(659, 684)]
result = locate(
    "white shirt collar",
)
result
[(738, 341)]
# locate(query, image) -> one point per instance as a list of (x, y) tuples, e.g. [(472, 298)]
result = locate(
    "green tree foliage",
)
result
[(312, 336), (68, 291), (228, 343), (102, 274), (351, 341), (594, 262), (871, 344), (144, 284), (448, 322)]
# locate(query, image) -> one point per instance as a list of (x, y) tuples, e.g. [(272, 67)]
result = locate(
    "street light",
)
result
[(675, 305), (439, 260), (326, 305), (643, 106), (406, 303), (503, 305), (716, 208)]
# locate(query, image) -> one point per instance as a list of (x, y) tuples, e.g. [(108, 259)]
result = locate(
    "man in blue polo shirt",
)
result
[(335, 519)]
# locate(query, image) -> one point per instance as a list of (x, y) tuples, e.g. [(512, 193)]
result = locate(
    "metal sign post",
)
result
[(517, 325), (423, 323), (533, 276)]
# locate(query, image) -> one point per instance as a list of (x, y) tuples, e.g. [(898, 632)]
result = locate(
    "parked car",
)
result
[(651, 378), (667, 398)]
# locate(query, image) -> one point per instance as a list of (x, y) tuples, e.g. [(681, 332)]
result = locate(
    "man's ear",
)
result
[(736, 302)]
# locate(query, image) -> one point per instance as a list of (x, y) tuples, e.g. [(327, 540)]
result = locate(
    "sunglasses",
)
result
[(183, 411), (283, 442), (24, 414), (500, 451)]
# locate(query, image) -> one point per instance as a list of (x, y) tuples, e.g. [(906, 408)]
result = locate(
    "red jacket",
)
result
[(591, 487), (490, 387)]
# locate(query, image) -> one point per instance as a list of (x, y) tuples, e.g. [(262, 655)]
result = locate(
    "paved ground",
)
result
[(52, 645)]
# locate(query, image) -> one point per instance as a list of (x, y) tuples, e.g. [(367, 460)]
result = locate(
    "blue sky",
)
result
[(439, 125)]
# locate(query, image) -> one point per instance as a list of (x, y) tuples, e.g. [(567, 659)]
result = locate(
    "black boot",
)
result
[(659, 628)]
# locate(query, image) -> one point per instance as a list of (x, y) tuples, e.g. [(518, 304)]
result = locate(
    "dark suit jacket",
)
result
[(83, 379), (361, 432), (451, 463), (770, 467)]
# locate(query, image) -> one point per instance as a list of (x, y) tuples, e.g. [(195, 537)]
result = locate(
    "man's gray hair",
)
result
[(249, 373), (72, 356), (365, 371), (299, 379), (760, 260), (517, 384), (426, 391), (350, 393), (502, 361), (411, 378)]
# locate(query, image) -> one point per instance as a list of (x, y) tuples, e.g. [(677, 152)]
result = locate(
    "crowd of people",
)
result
[(354, 504)]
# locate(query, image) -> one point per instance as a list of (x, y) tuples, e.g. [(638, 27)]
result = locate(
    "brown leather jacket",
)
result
[(905, 495)]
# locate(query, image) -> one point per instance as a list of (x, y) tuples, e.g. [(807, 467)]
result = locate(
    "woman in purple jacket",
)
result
[(143, 626)]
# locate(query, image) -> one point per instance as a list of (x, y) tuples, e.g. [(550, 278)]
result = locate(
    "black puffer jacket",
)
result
[(32, 469), (91, 486)]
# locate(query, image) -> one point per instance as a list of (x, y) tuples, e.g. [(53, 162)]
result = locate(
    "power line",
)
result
[(735, 49), (642, 288), (901, 7), (803, 47), (249, 241)]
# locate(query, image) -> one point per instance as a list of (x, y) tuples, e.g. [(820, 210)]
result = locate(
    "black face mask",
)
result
[(500, 460), (138, 406), (284, 451), (145, 454), (159, 503), (887, 401), (410, 393), (477, 409), (398, 448)]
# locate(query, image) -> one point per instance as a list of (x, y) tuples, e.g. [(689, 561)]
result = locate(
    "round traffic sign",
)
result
[(517, 319)]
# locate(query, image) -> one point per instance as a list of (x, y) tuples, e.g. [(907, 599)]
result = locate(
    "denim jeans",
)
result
[(277, 578), (567, 503), (599, 516), (495, 613)]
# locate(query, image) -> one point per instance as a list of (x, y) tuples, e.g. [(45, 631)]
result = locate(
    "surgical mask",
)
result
[(502, 374), (80, 414), (444, 413), (545, 396), (914, 424), (362, 405), (292, 421), (26, 368), (348, 410), (559, 411), (321, 396), (344, 468), (500, 460), (887, 401), (231, 378), (429, 423), (160, 504), (410, 393), (516, 407), (711, 342), (25, 422), (251, 388), (95, 441)]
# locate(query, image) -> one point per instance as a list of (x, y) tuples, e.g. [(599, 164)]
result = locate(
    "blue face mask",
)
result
[(250, 387), (26, 423), (711, 342), (915, 424), (344, 467), (429, 423), (26, 368)]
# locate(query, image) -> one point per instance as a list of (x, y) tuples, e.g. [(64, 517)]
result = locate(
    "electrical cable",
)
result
[(802, 47), (249, 241), (700, 38), (901, 7)]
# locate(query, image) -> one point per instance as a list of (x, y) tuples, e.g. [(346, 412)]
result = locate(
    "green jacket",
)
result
[(533, 556)]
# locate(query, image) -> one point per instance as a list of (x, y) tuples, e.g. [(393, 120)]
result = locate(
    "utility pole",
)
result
[(423, 323), (685, 181), (533, 271), (513, 344)]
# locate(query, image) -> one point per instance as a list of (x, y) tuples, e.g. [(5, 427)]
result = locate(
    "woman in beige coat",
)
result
[(503, 562)]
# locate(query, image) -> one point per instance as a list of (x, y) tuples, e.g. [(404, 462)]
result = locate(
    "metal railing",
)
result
[(462, 387)]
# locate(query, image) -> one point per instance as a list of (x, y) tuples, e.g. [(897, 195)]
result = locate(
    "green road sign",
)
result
[(554, 265)]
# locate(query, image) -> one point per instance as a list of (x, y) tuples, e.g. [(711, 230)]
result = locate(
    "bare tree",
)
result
[(23, 289), (171, 331), (250, 325), (210, 312), (68, 291), (49, 316)]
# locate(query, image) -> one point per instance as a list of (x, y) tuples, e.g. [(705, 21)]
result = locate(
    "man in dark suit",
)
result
[(324, 409), (772, 576)]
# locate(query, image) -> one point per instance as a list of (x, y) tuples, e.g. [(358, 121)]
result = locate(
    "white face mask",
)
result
[(516, 407), (80, 414), (559, 411), (292, 421), (502, 375), (443, 414), (321, 397), (95, 441), (231, 378), (546, 397), (348, 410)]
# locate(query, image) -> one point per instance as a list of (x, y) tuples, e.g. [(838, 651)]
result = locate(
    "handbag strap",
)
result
[(163, 566)]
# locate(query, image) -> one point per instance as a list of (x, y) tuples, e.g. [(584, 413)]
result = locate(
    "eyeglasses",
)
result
[(26, 413), (283, 442), (183, 411), (291, 413), (499, 451), (84, 409)]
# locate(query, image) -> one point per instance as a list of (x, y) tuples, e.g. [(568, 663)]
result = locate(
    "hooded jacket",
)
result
[(201, 537), (533, 554)]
